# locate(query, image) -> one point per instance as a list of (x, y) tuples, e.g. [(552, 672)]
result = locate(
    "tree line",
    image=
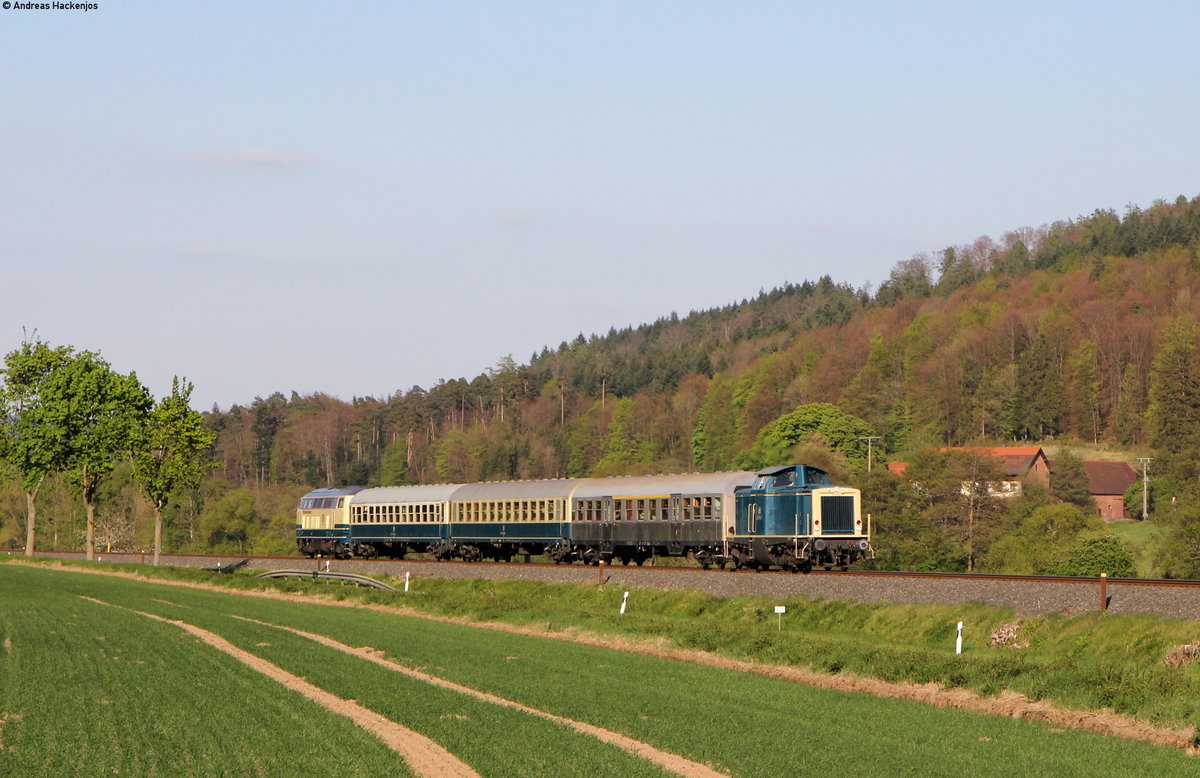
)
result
[(68, 412)]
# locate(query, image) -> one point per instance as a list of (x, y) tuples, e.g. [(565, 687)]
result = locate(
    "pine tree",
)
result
[(1174, 413)]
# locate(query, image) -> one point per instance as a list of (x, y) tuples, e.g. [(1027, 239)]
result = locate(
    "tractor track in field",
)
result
[(423, 755), (1008, 704), (668, 761)]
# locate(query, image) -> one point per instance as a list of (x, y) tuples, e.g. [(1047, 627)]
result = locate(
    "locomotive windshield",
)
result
[(780, 480), (815, 477), (790, 477)]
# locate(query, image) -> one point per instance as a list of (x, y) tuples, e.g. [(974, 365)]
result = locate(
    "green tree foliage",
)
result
[(1081, 393), (1069, 481), (718, 427), (230, 524), (951, 493), (1032, 412), (101, 413), (876, 394), (35, 441), (393, 468), (1096, 554), (1040, 540), (841, 432), (172, 452), (1161, 495), (1179, 555), (1175, 399)]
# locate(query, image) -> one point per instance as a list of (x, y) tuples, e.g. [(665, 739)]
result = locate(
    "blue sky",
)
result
[(359, 198)]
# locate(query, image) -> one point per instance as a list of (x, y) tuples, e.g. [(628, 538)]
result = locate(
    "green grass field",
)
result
[(90, 689)]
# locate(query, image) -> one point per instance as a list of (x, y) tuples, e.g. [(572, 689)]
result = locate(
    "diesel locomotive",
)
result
[(789, 517)]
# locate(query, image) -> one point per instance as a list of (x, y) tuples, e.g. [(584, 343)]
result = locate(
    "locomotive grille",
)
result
[(837, 513)]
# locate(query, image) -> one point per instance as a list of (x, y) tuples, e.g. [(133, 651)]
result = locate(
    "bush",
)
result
[(1092, 556)]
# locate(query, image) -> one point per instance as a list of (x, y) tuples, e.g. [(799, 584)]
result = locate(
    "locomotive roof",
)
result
[(518, 490), (337, 491), (660, 485), (781, 468), (394, 494)]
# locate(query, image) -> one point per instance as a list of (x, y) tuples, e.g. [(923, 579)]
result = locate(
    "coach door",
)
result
[(607, 523), (675, 522)]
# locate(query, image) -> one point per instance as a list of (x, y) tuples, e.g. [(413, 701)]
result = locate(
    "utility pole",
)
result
[(870, 439), (1145, 462)]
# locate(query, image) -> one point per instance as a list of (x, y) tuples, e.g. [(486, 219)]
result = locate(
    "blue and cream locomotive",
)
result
[(790, 517)]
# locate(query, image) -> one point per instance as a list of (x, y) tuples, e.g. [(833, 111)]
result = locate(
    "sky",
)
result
[(357, 198)]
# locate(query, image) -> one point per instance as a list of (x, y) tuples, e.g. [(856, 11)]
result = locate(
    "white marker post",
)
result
[(406, 582), (958, 644), (779, 611), (624, 600)]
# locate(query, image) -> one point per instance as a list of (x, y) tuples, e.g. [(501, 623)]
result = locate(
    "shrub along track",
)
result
[(1009, 704)]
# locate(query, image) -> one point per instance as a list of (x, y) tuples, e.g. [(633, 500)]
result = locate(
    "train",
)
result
[(789, 517)]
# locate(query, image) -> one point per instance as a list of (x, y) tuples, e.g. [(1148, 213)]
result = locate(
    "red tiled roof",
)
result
[(1017, 459), (1109, 477)]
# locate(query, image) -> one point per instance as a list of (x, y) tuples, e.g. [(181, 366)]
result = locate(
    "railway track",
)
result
[(1027, 595)]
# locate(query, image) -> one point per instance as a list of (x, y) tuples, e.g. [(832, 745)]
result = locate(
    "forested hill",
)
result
[(1066, 331)]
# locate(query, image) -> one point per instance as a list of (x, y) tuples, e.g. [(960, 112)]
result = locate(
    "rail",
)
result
[(317, 575)]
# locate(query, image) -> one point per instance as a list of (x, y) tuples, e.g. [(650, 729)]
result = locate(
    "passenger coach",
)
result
[(393, 520), (632, 519)]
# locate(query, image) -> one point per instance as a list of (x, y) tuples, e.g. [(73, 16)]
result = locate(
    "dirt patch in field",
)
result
[(423, 755), (1009, 704), (668, 761), (4, 719)]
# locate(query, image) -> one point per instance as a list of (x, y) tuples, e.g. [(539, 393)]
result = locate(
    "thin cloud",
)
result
[(514, 218), (261, 157)]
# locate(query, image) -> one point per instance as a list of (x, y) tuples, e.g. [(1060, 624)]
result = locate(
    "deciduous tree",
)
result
[(35, 441), (172, 451), (100, 412)]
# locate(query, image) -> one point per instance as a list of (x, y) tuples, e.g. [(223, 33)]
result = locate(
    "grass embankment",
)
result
[(93, 689)]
